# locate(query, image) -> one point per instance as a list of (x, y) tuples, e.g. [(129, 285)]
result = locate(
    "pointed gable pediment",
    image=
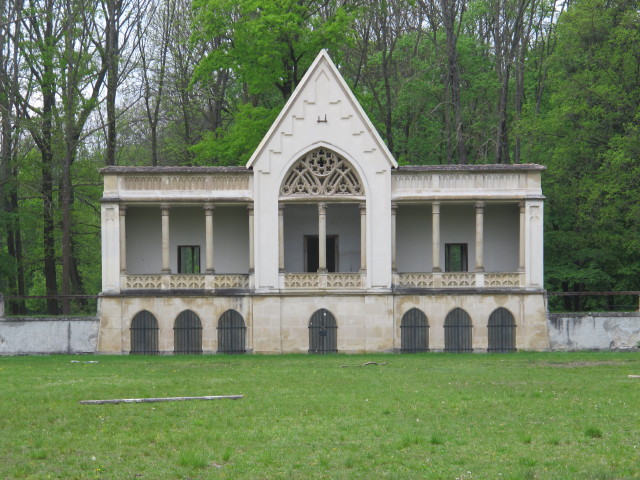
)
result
[(322, 111)]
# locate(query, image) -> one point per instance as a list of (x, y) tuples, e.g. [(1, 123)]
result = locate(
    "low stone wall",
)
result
[(594, 331), (47, 335)]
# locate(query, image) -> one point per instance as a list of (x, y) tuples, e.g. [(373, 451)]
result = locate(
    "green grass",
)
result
[(432, 416)]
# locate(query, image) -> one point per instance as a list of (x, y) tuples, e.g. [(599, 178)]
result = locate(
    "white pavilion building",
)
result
[(322, 243)]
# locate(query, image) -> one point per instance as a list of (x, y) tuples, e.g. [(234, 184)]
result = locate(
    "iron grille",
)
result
[(187, 334), (232, 333), (502, 331), (457, 332), (414, 332), (144, 334), (323, 332)]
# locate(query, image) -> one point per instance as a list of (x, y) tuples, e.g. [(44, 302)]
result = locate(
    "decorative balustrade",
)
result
[(502, 279), (185, 282), (320, 280), (231, 281), (301, 280), (188, 282), (415, 280), (143, 282), (337, 281), (344, 280), (458, 280)]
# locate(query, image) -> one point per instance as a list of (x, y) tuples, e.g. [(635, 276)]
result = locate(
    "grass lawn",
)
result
[(430, 416)]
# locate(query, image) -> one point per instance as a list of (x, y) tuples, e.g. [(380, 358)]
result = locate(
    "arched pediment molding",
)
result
[(321, 173)]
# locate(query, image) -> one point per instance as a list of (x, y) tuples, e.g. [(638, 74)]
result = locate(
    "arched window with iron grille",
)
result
[(187, 333), (232, 333), (502, 331), (414, 332), (323, 332), (457, 331), (144, 334)]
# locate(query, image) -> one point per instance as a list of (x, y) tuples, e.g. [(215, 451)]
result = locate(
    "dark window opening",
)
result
[(189, 259), (455, 257), (312, 254)]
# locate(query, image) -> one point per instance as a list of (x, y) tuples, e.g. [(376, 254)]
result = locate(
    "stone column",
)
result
[(165, 238), (479, 237), (208, 217), (394, 212), (363, 237), (123, 240), (522, 237), (322, 238), (435, 232), (251, 248), (281, 238)]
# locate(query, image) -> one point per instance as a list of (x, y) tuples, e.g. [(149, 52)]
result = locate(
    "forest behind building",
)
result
[(90, 83)]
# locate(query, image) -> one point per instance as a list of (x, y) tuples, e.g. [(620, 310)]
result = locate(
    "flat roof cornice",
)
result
[(514, 167), (161, 170)]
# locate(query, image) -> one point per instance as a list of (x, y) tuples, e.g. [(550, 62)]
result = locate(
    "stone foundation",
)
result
[(367, 322)]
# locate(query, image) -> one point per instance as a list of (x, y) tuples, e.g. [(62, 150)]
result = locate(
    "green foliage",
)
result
[(587, 134), (235, 146)]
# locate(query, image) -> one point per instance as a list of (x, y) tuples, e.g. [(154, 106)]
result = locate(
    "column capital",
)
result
[(123, 209), (250, 208), (209, 208), (522, 205), (479, 205), (322, 208), (435, 208), (363, 208), (394, 207), (165, 207)]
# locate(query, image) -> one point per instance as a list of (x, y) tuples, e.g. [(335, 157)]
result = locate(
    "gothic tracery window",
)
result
[(321, 172)]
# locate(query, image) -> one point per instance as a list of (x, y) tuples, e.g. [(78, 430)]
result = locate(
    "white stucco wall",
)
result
[(144, 239), (414, 238), (458, 225), (501, 237), (230, 240)]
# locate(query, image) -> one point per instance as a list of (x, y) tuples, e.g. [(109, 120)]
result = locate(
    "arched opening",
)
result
[(322, 215), (144, 334), (457, 332), (323, 332), (187, 334), (414, 332), (502, 331), (232, 333)]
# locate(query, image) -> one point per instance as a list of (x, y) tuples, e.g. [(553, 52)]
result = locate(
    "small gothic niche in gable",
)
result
[(321, 172)]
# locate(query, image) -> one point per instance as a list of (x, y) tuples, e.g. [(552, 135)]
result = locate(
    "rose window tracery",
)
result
[(321, 172)]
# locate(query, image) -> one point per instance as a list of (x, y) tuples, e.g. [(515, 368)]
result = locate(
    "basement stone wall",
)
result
[(594, 331)]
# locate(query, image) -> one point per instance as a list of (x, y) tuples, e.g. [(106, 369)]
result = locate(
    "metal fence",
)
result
[(457, 332), (144, 334), (232, 333), (323, 332), (414, 332), (502, 331), (187, 334)]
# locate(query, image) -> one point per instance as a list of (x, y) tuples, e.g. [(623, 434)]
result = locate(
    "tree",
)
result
[(587, 134)]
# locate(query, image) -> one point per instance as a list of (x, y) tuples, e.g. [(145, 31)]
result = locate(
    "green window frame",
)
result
[(189, 259)]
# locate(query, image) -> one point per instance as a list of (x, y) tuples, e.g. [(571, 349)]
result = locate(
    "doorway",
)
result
[(312, 254)]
